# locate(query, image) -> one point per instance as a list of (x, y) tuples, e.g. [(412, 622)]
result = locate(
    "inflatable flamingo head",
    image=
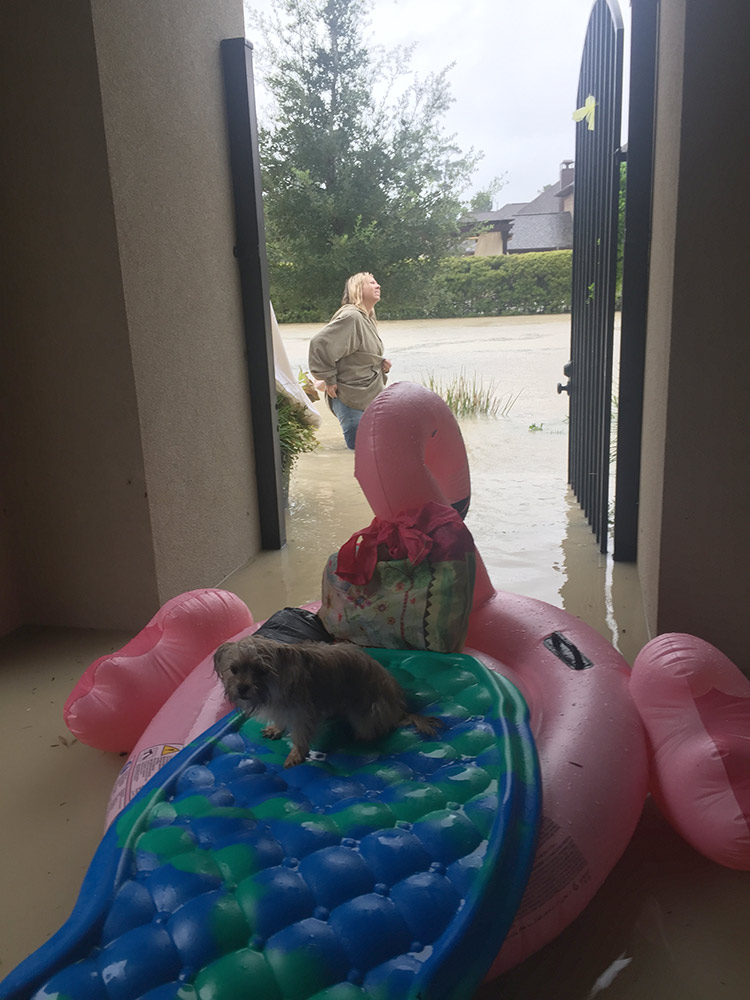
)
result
[(409, 451)]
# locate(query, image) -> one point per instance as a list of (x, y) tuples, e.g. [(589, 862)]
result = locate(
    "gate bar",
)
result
[(644, 19)]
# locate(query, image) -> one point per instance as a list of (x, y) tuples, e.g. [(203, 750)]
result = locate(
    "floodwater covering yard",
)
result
[(525, 522)]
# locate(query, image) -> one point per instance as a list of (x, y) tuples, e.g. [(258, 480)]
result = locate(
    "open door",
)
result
[(597, 165)]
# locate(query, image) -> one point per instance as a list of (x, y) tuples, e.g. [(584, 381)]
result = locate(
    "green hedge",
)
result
[(504, 285)]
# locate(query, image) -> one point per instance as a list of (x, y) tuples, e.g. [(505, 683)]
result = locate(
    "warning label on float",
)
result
[(138, 770), (559, 870)]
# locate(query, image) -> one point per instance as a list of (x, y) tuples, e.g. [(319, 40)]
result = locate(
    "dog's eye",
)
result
[(234, 670)]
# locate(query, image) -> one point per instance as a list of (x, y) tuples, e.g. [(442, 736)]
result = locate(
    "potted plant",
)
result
[(296, 435)]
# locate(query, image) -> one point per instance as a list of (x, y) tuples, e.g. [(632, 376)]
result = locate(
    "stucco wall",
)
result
[(75, 517), (126, 430), (696, 531), (163, 101), (659, 327), (489, 244)]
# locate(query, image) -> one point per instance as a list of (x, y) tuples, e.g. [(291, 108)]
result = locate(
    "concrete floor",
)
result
[(667, 924)]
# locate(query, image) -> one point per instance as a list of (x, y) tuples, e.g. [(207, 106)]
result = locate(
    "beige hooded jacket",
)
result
[(348, 352)]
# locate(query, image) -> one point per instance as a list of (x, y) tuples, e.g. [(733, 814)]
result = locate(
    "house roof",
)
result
[(506, 212), (509, 210), (537, 224), (548, 231), (544, 203)]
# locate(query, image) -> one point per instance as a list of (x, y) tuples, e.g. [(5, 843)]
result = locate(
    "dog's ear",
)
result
[(220, 655), (265, 655)]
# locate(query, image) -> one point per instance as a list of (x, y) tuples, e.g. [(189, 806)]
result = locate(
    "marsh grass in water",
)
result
[(470, 396)]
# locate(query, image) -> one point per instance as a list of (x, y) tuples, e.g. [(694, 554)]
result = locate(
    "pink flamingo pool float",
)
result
[(677, 725)]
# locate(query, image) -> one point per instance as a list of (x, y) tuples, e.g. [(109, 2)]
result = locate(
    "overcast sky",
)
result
[(514, 81)]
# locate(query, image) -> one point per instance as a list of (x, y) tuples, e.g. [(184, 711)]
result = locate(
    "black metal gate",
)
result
[(595, 218), (637, 243)]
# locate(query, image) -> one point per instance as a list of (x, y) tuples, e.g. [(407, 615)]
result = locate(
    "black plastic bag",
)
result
[(294, 625)]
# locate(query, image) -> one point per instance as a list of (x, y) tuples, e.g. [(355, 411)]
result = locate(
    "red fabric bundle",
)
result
[(403, 584), (434, 530)]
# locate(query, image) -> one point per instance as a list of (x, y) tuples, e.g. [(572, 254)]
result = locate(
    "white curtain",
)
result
[(285, 379)]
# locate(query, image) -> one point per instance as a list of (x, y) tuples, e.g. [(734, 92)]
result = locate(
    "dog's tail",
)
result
[(427, 725)]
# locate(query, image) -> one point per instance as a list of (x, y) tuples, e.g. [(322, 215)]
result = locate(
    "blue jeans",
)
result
[(348, 418)]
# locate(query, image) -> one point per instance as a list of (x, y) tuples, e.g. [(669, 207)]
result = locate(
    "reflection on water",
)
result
[(667, 924)]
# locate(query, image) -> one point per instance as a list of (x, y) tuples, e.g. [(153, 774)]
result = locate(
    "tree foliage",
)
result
[(358, 173), (485, 200), (621, 232)]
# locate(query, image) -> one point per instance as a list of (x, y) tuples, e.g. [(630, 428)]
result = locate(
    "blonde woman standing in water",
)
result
[(347, 354)]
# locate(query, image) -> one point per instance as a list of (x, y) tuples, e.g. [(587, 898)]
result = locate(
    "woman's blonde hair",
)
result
[(353, 291)]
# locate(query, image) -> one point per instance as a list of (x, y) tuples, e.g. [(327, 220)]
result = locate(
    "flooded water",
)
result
[(667, 923), (527, 526)]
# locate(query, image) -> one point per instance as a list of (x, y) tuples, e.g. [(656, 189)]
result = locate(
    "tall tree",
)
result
[(358, 172), (484, 200)]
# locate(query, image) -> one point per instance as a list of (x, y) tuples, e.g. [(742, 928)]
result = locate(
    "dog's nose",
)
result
[(243, 690)]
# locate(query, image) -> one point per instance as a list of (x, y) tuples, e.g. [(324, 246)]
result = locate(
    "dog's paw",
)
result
[(272, 732), (294, 757), (427, 725)]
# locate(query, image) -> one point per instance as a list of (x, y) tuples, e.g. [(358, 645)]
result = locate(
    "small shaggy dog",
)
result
[(297, 686)]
